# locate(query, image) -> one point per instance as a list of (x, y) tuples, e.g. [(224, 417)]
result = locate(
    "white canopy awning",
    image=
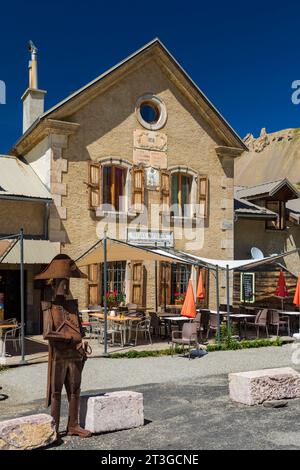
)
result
[(237, 264), (122, 251)]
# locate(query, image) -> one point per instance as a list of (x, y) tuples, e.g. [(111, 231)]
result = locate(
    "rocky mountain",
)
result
[(271, 157)]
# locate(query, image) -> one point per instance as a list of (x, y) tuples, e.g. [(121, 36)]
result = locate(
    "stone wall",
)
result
[(17, 214), (107, 125)]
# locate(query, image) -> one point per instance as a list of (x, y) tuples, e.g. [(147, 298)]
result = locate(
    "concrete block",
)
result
[(112, 411), (256, 387), (28, 432)]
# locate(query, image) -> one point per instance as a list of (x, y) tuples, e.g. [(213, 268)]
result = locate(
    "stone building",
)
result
[(24, 203), (267, 211), (141, 150)]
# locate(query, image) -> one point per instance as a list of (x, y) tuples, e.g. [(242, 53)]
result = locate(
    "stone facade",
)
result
[(105, 125)]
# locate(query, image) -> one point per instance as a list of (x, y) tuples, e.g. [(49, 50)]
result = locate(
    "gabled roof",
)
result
[(246, 209), (210, 110), (267, 190), (18, 180)]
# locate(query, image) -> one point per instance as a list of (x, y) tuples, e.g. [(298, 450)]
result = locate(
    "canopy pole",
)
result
[(218, 304), (156, 302), (23, 361), (227, 297), (105, 353)]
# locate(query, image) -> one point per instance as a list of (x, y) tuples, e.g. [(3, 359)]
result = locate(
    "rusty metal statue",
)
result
[(67, 350)]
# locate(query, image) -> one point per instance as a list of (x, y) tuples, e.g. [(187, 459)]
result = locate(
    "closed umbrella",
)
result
[(200, 288), (296, 300), (189, 307), (281, 290)]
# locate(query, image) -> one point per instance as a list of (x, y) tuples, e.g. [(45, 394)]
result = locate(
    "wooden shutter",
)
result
[(164, 283), (137, 279), (203, 190), (94, 284), (138, 186), (165, 190), (94, 185)]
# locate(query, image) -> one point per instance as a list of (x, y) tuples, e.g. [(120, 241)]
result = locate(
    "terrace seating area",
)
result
[(134, 326)]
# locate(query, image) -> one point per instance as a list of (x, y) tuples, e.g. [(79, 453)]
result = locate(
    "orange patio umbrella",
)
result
[(200, 288), (281, 290), (189, 306), (296, 300)]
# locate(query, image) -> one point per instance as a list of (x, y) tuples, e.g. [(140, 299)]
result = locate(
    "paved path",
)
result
[(186, 402), (28, 383)]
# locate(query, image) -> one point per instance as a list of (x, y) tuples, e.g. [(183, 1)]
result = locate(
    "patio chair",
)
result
[(13, 336), (116, 329), (188, 336), (143, 327), (131, 307), (95, 328), (213, 323), (278, 321), (197, 321), (155, 324), (261, 321)]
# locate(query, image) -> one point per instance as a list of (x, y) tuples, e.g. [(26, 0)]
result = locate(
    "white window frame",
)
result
[(194, 188)]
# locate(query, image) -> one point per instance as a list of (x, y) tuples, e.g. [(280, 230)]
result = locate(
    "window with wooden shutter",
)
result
[(164, 283), (137, 280), (165, 190), (203, 190), (138, 188), (94, 185), (94, 284)]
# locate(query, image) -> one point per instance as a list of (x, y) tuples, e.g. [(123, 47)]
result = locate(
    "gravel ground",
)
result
[(186, 402)]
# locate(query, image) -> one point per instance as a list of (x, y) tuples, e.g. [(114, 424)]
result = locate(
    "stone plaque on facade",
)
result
[(150, 158), (152, 178), (150, 140)]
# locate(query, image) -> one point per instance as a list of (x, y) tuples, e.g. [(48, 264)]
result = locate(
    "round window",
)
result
[(151, 111)]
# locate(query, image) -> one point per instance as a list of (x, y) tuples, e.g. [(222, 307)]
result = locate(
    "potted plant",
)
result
[(114, 299), (179, 298)]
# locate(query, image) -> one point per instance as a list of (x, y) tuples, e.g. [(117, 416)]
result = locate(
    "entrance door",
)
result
[(10, 287)]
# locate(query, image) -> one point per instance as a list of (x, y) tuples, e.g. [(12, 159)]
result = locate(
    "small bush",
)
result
[(135, 354), (244, 344)]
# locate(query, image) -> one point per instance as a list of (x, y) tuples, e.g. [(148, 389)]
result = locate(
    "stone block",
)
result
[(256, 387), (59, 188), (112, 411), (28, 432)]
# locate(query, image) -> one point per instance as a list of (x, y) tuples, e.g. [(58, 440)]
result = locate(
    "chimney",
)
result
[(33, 98)]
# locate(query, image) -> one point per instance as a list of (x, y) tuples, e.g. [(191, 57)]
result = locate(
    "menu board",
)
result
[(247, 287)]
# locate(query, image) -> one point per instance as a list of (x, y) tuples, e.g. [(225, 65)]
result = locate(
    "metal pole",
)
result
[(105, 353), (227, 296), (218, 303), (156, 302), (23, 361)]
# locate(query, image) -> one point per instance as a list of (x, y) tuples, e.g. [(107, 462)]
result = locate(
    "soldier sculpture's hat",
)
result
[(61, 267)]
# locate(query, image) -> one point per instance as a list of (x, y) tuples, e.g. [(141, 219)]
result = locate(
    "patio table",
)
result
[(3, 327), (240, 317), (177, 319), (289, 314), (118, 319)]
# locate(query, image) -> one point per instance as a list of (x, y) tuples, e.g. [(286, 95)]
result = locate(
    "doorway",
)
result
[(10, 290)]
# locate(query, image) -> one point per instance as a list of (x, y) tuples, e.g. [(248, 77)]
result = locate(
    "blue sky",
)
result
[(243, 55)]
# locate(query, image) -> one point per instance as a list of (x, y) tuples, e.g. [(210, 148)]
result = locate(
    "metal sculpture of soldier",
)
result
[(67, 351)]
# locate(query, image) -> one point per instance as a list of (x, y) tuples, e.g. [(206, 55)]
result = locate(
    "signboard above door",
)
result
[(150, 238)]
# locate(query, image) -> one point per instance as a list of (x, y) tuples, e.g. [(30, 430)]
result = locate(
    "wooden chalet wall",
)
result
[(266, 279)]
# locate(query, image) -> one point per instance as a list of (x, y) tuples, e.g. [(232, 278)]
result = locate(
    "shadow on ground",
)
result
[(193, 414)]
